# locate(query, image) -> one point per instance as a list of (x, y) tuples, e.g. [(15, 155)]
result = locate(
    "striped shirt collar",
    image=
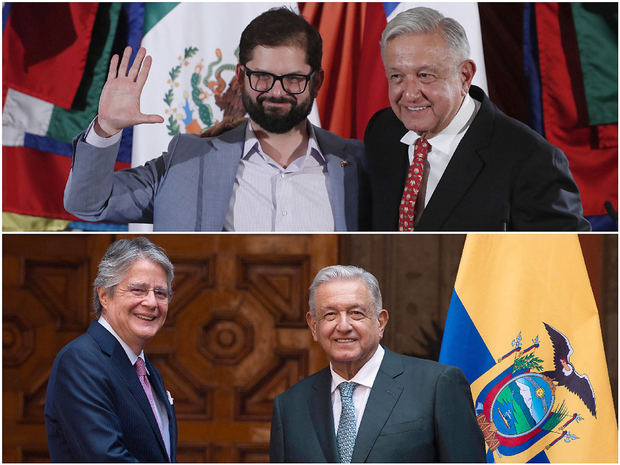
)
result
[(312, 157)]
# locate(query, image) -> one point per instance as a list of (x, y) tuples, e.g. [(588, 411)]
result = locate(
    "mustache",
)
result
[(284, 99)]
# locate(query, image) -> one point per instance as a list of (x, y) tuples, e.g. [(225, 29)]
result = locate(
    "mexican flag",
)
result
[(195, 50)]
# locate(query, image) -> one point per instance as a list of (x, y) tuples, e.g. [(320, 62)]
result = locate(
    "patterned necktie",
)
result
[(347, 430), (412, 185), (144, 381)]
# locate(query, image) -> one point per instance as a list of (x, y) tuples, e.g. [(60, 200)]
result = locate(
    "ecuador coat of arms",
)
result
[(525, 403)]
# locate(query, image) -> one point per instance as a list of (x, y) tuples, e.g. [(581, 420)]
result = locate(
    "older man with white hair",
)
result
[(442, 157), (370, 404)]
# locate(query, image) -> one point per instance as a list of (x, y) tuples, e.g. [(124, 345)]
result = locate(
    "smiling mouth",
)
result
[(345, 340), (417, 108), (145, 318)]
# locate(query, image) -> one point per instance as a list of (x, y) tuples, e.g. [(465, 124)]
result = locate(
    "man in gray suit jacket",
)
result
[(275, 173), (370, 404)]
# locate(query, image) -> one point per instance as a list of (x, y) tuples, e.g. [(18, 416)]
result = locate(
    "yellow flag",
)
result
[(524, 327)]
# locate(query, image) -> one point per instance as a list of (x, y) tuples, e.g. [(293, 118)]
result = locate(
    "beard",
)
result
[(275, 122)]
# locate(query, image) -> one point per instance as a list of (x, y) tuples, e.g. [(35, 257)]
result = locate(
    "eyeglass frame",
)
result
[(131, 288), (248, 72)]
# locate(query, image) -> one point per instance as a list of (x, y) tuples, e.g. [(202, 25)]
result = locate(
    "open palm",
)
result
[(119, 104)]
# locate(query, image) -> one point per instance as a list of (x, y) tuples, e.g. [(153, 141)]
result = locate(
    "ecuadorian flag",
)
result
[(524, 328)]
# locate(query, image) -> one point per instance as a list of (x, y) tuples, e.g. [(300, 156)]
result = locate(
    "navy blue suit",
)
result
[(96, 409)]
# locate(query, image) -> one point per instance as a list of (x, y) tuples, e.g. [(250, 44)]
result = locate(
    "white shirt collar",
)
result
[(130, 353), (459, 124), (252, 146), (366, 375)]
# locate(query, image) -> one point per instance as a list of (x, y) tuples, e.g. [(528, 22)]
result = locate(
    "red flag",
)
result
[(33, 182), (355, 86), (45, 47), (592, 151)]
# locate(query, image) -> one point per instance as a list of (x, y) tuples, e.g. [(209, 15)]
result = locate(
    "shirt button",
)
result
[(282, 175), (284, 213)]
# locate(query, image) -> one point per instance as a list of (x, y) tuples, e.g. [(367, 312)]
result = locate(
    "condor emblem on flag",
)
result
[(523, 403), (524, 328)]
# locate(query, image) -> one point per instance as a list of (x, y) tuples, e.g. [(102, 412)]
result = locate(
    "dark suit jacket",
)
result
[(96, 409), (189, 187), (417, 411), (502, 176)]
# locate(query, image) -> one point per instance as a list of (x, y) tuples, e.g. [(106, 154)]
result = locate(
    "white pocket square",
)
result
[(170, 399)]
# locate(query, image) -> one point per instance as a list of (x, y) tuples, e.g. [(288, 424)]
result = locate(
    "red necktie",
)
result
[(412, 185), (144, 381)]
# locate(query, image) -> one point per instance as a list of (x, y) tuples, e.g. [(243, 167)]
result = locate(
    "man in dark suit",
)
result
[(370, 404), (105, 401), (444, 158)]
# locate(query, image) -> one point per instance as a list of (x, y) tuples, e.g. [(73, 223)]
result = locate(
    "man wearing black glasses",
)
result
[(277, 172)]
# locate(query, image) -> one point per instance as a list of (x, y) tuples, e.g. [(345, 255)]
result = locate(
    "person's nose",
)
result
[(343, 324), (278, 89), (412, 89), (150, 299)]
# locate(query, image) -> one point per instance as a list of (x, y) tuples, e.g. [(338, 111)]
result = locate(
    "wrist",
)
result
[(103, 131)]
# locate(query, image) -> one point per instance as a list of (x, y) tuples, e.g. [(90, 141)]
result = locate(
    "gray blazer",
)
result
[(188, 188), (417, 411)]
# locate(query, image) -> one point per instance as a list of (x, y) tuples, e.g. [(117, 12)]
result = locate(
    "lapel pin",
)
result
[(344, 163)]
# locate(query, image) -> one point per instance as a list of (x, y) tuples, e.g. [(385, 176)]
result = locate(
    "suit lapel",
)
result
[(218, 170), (383, 397), (320, 406), (343, 182), (462, 170), (157, 384), (388, 167), (109, 345)]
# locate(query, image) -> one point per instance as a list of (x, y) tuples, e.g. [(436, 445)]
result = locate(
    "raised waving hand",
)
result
[(119, 104)]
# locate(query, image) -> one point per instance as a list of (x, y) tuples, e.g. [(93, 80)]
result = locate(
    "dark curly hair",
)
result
[(281, 26)]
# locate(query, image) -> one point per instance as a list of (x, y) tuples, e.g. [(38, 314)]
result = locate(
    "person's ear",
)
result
[(467, 70), (104, 297), (382, 318), (239, 73), (312, 326), (317, 82)]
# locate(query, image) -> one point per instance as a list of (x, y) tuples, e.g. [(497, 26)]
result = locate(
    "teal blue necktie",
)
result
[(347, 430)]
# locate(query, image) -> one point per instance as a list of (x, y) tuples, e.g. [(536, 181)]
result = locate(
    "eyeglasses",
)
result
[(141, 292), (261, 81)]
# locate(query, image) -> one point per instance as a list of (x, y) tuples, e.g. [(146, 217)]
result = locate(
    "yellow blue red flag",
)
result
[(524, 328)]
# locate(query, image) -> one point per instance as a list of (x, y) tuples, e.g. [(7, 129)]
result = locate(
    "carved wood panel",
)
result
[(235, 335)]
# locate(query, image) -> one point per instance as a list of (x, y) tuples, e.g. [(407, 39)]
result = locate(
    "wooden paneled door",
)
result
[(234, 338)]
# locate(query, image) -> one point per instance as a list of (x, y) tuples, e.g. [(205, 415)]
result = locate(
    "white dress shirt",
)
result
[(268, 197), (96, 140), (443, 145), (365, 377), (162, 415)]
